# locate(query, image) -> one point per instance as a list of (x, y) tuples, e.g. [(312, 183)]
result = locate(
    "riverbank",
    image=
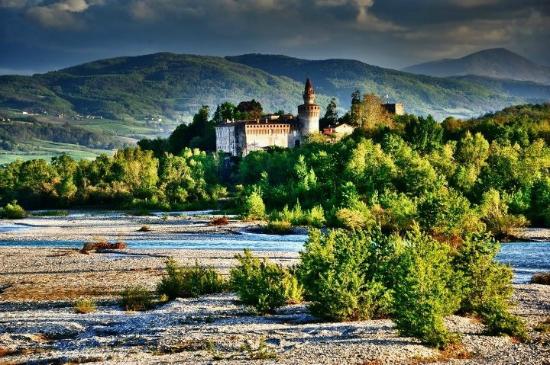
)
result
[(38, 323)]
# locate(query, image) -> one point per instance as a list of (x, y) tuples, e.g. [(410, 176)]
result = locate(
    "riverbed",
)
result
[(42, 274)]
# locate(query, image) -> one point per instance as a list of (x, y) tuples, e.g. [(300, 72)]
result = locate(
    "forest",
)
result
[(489, 173)]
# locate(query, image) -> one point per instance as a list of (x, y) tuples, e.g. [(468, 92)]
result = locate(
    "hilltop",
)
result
[(497, 63)]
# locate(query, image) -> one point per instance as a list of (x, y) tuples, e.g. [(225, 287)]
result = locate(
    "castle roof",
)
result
[(309, 87)]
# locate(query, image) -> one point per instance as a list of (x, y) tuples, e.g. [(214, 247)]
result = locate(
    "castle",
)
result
[(238, 138)]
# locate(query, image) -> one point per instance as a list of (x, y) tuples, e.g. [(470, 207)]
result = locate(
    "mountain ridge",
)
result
[(494, 62)]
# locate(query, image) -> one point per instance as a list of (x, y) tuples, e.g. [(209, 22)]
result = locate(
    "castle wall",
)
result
[(259, 136)]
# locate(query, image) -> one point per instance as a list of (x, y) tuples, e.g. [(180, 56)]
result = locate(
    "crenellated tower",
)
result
[(309, 112)]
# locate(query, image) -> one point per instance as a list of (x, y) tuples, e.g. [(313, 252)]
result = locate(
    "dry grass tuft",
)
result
[(145, 229), (102, 244), (455, 351), (219, 221), (541, 278), (84, 306)]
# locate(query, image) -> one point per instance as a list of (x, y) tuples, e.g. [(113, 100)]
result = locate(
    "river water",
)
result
[(525, 258)]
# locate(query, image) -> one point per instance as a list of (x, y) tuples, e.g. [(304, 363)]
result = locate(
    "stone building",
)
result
[(394, 108), (238, 138)]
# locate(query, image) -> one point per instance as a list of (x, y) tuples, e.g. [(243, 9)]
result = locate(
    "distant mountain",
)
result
[(441, 97), (496, 63), (161, 84), (173, 86)]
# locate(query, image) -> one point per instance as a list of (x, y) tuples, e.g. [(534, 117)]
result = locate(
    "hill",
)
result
[(163, 84), (441, 97), (497, 63)]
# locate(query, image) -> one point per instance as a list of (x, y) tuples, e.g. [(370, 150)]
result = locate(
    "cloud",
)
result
[(61, 14)]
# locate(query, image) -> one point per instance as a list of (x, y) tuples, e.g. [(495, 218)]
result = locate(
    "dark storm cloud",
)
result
[(39, 35)]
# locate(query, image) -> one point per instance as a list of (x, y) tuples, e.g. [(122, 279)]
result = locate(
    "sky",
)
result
[(44, 35)]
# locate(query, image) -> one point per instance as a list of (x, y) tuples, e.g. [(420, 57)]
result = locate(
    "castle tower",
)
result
[(309, 112)]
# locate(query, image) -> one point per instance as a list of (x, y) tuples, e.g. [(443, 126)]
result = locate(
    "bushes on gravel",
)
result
[(425, 290), (84, 306), (263, 284), (343, 274), (487, 285), (12, 211), (190, 281), (102, 244), (254, 207), (136, 298)]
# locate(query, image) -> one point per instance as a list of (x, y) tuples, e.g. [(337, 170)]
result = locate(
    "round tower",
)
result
[(309, 112)]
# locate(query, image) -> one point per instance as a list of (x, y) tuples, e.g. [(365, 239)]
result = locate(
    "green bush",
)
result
[(499, 321), (263, 284), (190, 281), (136, 298), (343, 274), (487, 285), (278, 227), (424, 290), (254, 207), (12, 211), (84, 306)]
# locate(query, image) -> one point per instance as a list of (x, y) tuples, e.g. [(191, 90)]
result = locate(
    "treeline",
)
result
[(413, 170), (132, 178), (15, 131)]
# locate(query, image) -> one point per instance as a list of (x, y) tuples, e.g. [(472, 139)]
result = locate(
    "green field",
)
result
[(46, 150)]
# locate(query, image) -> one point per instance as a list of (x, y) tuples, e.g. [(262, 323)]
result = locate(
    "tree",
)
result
[(424, 133), (369, 114), (250, 109), (225, 111), (331, 115)]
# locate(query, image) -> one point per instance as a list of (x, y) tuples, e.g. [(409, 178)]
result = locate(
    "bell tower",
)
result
[(309, 112)]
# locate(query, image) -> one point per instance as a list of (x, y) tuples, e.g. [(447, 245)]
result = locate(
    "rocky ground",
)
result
[(38, 324)]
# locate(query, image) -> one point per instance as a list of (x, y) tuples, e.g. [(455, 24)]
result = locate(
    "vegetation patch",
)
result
[(136, 298), (541, 278), (51, 213), (145, 229), (264, 285), (190, 281), (84, 306), (219, 221), (12, 211), (101, 245)]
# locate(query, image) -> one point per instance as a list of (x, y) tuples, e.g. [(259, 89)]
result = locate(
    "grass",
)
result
[(262, 352), (136, 298), (50, 213), (543, 327), (84, 306), (145, 229), (278, 227), (541, 278)]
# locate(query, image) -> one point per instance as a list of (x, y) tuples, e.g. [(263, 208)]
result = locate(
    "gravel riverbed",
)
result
[(38, 287)]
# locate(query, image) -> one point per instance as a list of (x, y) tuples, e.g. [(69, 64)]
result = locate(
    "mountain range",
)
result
[(127, 98), (497, 63)]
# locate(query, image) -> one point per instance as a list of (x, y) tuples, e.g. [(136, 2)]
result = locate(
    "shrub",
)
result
[(219, 221), (254, 207), (144, 229), (278, 227), (343, 274), (487, 285), (263, 284), (500, 321), (424, 292), (541, 278), (101, 245), (12, 211), (136, 298), (84, 306), (494, 212), (190, 281), (316, 217)]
